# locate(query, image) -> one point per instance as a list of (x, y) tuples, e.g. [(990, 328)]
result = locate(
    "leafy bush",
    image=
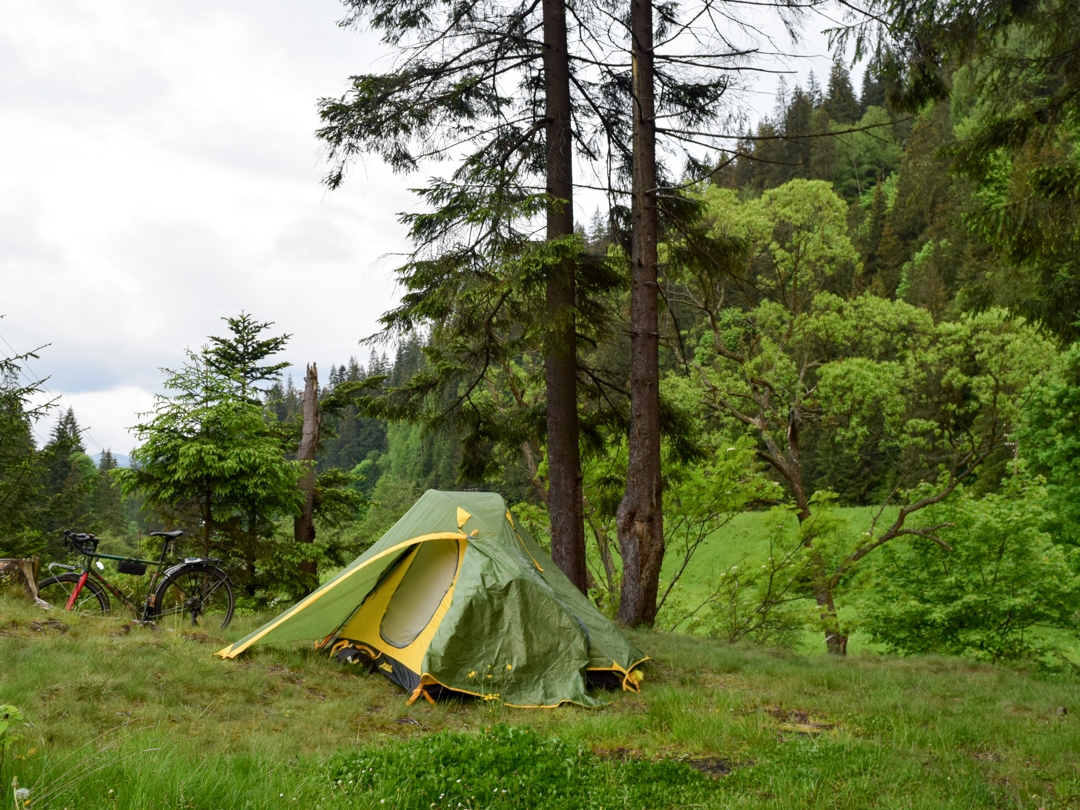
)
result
[(510, 767), (1051, 442), (1002, 577)]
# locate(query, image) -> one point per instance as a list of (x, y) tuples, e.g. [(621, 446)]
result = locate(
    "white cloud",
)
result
[(162, 173), (105, 416)]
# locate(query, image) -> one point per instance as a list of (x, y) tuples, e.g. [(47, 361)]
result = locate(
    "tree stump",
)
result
[(20, 575)]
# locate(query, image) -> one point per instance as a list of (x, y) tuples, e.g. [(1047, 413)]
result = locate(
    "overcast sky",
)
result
[(161, 172)]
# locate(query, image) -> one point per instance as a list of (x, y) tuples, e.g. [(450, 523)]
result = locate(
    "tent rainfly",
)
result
[(458, 597)]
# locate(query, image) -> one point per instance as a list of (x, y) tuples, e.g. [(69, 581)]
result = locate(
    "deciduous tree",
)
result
[(937, 398)]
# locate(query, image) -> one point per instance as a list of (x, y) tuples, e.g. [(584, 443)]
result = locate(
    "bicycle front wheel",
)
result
[(58, 590), (194, 596)]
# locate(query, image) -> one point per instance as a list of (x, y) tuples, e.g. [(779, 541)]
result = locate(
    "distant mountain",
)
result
[(121, 459)]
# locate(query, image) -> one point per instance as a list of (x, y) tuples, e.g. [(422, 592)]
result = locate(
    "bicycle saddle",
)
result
[(170, 535)]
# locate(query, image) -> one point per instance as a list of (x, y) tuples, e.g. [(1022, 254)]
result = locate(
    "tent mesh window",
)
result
[(420, 592)]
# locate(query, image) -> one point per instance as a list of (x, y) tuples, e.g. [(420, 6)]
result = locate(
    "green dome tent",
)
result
[(457, 596)]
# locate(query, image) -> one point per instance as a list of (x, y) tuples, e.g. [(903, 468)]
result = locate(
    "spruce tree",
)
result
[(21, 464), (840, 102), (108, 505), (872, 92), (1023, 71), (69, 476), (243, 350)]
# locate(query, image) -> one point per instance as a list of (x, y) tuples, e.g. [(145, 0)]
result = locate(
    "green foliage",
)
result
[(1051, 442), (238, 356), (21, 473), (70, 477), (393, 497), (794, 240), (762, 603), (10, 719), (1010, 71), (340, 513), (870, 384), (107, 500), (348, 438), (865, 157), (211, 460), (979, 580), (507, 766)]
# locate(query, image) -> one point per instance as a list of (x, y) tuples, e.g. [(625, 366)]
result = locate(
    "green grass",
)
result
[(744, 541), (159, 721), (746, 537)]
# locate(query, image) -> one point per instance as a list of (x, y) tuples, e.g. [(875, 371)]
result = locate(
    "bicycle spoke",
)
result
[(196, 597)]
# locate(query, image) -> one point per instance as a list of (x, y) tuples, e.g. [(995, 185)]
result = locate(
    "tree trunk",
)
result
[(564, 457), (304, 525), (21, 574), (640, 516), (835, 640)]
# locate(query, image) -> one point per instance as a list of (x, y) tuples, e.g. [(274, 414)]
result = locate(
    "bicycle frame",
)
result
[(88, 570)]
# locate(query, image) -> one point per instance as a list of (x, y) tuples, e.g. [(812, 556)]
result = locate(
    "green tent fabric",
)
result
[(510, 626)]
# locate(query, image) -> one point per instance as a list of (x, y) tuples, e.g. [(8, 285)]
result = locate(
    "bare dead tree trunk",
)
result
[(564, 455), (640, 517), (21, 574), (304, 525)]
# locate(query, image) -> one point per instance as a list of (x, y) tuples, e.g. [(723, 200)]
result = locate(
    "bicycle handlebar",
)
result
[(81, 542)]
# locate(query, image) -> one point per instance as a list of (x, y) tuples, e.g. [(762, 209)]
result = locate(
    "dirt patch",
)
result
[(798, 721), (287, 675), (45, 625), (710, 766), (201, 638)]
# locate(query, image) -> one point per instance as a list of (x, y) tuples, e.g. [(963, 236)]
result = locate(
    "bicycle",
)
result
[(195, 589)]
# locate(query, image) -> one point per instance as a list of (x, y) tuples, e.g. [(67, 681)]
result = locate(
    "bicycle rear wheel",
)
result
[(93, 599), (196, 595)]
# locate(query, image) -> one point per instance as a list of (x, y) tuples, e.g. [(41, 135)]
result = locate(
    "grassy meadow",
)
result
[(122, 716), (744, 542)]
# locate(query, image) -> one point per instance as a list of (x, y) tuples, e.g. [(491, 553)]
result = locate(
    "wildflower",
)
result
[(509, 666)]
